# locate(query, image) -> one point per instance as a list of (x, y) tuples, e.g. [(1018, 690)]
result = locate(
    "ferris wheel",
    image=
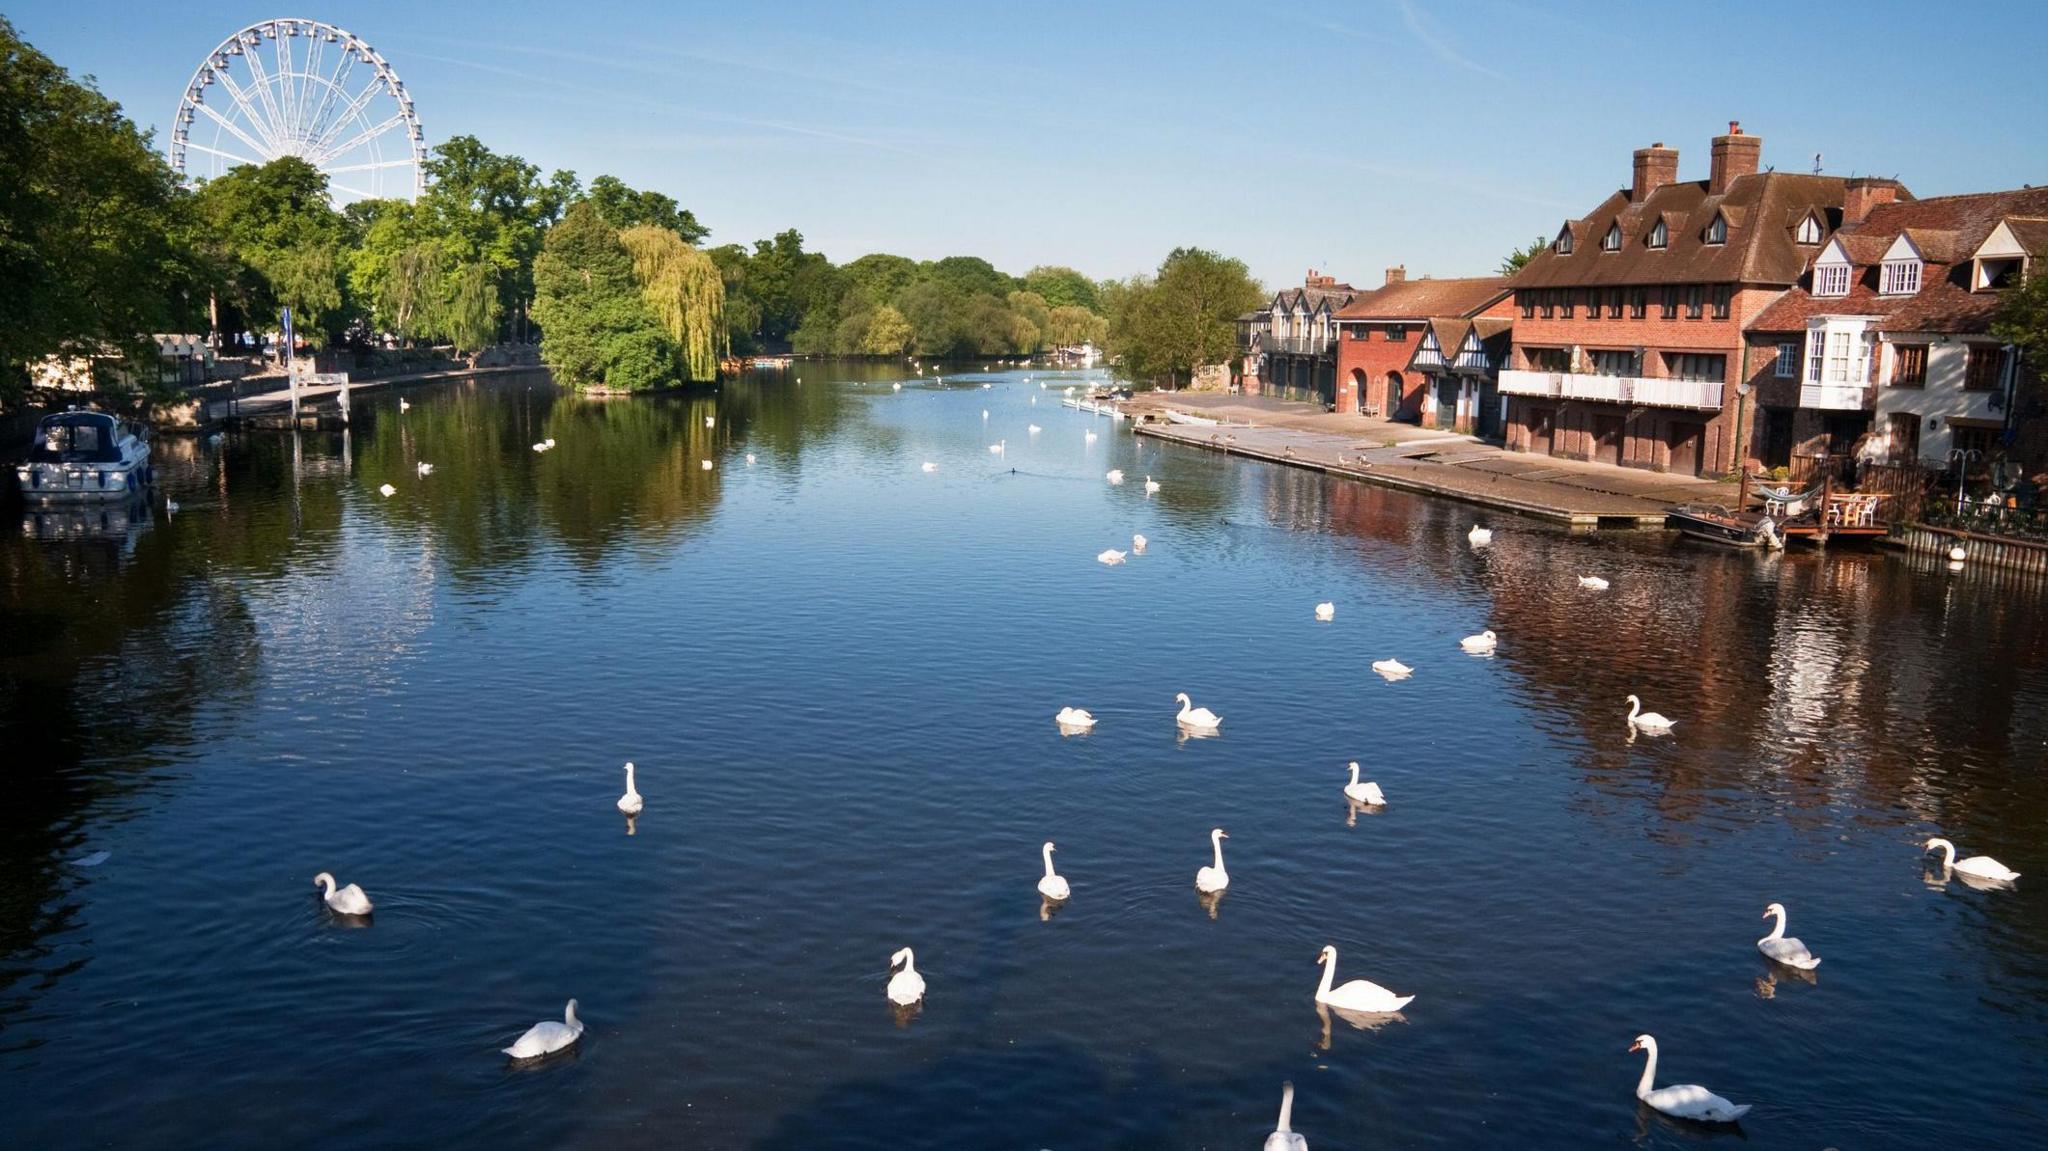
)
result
[(302, 88)]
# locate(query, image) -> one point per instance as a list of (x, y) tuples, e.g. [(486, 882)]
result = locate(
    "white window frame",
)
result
[(1717, 230), (1788, 362), (1612, 241), (1564, 243), (1831, 280), (1810, 230), (1816, 345), (1660, 236), (1900, 278)]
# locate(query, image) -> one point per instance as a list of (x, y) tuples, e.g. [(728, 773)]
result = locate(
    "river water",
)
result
[(837, 674)]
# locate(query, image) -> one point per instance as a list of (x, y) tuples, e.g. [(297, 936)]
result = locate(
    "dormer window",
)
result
[(1901, 278), (1831, 279), (1612, 241), (1660, 236), (1564, 243), (1717, 232), (1809, 230)]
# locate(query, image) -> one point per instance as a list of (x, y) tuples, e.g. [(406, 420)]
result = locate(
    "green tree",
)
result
[(468, 311), (2022, 321), (882, 275), (1071, 326), (492, 209), (624, 208), (596, 329), (1184, 317), (90, 222), (684, 290), (742, 307), (275, 241), (1061, 287), (966, 275), (888, 333), (1513, 261), (1032, 309)]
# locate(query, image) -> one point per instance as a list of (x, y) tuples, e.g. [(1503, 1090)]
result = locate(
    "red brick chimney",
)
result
[(1397, 273), (1656, 166), (1318, 279), (1735, 154), (1862, 193)]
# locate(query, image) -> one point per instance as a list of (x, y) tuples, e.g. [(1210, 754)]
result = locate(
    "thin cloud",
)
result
[(1418, 27)]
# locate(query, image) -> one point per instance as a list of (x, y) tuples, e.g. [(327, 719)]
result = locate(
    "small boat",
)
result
[(79, 455), (1716, 524), (1178, 417)]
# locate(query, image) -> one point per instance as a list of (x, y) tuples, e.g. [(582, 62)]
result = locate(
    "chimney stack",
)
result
[(1656, 166), (1319, 279), (1735, 154), (1861, 194), (1397, 273)]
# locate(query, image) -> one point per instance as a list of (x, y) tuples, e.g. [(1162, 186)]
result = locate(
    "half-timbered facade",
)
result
[(1380, 332), (1294, 347), (1460, 361)]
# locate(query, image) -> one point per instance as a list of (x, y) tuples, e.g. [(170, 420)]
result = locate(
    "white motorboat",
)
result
[(79, 455)]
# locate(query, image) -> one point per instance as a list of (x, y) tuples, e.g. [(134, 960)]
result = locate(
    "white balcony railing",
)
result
[(1835, 397), (1704, 395)]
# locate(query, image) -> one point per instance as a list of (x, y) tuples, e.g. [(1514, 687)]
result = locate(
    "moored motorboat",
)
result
[(1717, 524), (84, 455)]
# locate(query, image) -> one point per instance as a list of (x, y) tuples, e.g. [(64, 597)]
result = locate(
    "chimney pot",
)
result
[(1397, 273)]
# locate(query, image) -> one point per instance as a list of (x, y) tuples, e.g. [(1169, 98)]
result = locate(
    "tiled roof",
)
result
[(1954, 227), (1310, 297), (1422, 299), (1762, 209)]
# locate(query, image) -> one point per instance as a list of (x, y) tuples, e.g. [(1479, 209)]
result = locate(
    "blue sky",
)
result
[(1347, 136)]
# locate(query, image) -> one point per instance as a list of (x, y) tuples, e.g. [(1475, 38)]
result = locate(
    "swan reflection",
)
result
[(1210, 901), (1767, 984), (1353, 808), (902, 1013), (1047, 908), (632, 822), (1359, 1020), (1076, 728)]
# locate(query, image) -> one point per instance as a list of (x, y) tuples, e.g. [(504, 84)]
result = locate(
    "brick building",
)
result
[(1889, 333), (1628, 340), (1380, 332), (1289, 349)]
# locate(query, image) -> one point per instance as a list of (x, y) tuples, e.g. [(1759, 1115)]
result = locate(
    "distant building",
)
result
[(1391, 361), (1628, 341), (181, 360), (1290, 351), (1889, 333)]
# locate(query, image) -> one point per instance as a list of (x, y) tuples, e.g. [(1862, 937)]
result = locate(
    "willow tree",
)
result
[(685, 291), (470, 314)]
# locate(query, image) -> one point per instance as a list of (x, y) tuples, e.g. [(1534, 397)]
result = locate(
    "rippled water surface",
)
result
[(837, 674)]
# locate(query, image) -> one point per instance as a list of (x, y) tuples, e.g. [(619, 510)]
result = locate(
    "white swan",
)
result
[(1110, 556), (710, 421), (1483, 642), (387, 491), (631, 803), (1283, 1137), (750, 459), (1213, 878), (1592, 583), (929, 466), (349, 900), (1114, 475), (403, 406), (1033, 429), (550, 442), (1151, 485), (1074, 717), (906, 986), (1682, 1100), (1981, 866), (1367, 793), (984, 415), (1789, 952), (1326, 611), (540, 447), (1647, 720), (1358, 994), (1089, 438), (426, 469), (1138, 543), (1192, 716), (1392, 668), (548, 1036), (1479, 536), (999, 448), (1053, 885), (895, 387), (707, 465)]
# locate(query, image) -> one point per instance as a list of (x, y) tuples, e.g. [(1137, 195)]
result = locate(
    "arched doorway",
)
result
[(1358, 395), (1394, 395)]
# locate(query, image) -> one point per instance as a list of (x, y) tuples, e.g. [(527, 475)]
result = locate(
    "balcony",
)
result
[(1298, 345), (1834, 397), (1701, 395)]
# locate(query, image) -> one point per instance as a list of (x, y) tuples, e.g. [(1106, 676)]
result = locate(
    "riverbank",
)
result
[(1584, 496), (276, 400)]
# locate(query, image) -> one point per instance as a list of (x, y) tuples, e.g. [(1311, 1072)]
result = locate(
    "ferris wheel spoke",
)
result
[(348, 115), (336, 85), (287, 81), (358, 193), (236, 130), (372, 165), (263, 93), (239, 159), (241, 98), (359, 139)]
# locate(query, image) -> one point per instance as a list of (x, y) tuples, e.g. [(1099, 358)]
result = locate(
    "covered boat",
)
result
[(84, 455), (1714, 522)]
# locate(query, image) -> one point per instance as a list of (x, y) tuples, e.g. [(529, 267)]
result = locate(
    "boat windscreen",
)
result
[(77, 441)]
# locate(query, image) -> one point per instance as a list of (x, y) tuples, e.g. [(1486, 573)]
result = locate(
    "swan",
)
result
[(1326, 611), (1138, 543), (170, 507), (1358, 994), (1479, 536), (426, 469), (349, 900), (895, 387), (1647, 720), (1981, 866), (1151, 485), (540, 447), (548, 1036), (1053, 885), (1283, 1137), (1392, 668), (1089, 439), (984, 415), (1367, 793), (1789, 952), (710, 421), (403, 406), (1033, 429), (631, 803), (999, 447), (1110, 556), (750, 459), (1483, 642), (707, 465), (1192, 716), (1074, 717), (550, 442), (387, 491), (1682, 1100), (929, 466), (1213, 878), (906, 986), (1592, 583), (1114, 475)]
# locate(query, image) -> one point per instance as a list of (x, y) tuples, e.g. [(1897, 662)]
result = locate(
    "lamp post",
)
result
[(1961, 458)]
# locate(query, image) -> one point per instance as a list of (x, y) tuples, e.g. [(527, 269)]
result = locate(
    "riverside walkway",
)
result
[(1461, 467)]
